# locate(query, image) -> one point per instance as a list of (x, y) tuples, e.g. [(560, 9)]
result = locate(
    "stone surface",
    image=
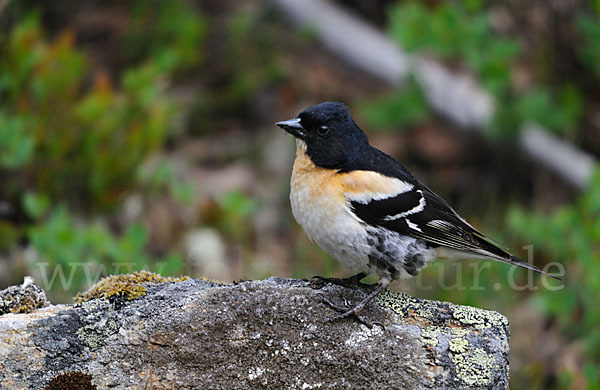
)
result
[(257, 334), (23, 298)]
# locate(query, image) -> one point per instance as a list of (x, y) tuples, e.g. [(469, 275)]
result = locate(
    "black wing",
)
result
[(423, 214)]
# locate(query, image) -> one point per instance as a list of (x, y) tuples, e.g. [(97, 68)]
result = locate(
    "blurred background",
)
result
[(139, 135)]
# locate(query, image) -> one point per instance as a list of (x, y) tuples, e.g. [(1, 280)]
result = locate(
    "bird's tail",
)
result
[(496, 252)]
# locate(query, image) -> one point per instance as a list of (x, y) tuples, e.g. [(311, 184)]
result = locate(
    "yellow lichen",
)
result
[(458, 345), (480, 319), (459, 332), (403, 304), (128, 285), (430, 335), (93, 335), (474, 369)]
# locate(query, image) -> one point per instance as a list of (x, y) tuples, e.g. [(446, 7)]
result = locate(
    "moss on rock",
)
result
[(129, 286), (71, 380)]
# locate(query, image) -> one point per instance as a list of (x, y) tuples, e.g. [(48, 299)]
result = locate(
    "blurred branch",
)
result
[(458, 97), (352, 39), (560, 156), (3, 4)]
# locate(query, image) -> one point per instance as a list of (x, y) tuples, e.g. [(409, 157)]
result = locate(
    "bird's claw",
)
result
[(317, 282), (353, 312)]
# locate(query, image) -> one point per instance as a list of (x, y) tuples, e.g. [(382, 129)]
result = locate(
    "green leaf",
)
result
[(35, 205), (16, 143), (589, 50), (405, 107)]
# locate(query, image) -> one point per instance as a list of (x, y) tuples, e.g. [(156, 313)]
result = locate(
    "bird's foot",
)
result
[(318, 282), (353, 312)]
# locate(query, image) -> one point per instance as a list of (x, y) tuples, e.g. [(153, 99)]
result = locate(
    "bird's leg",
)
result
[(351, 281), (355, 311)]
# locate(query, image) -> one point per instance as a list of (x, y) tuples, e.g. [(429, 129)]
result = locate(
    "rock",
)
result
[(270, 334), (22, 299)]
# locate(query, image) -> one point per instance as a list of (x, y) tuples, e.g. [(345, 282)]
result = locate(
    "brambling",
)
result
[(369, 212)]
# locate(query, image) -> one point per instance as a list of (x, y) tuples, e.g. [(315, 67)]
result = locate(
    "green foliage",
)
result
[(248, 64), (591, 373), (16, 146), (589, 28), (163, 179), (73, 138), (236, 208), (35, 205), (570, 236), (404, 107), (537, 106), (170, 32), (84, 252), (65, 139), (248, 41), (449, 31), (463, 32)]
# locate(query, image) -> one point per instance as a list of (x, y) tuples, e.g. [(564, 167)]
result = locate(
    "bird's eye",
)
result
[(323, 130)]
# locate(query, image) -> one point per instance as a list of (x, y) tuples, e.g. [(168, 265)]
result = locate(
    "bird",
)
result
[(368, 211)]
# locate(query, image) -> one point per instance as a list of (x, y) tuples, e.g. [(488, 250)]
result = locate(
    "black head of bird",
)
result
[(332, 138)]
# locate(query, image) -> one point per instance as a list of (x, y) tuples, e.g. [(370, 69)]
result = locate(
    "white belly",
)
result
[(319, 206), (331, 227)]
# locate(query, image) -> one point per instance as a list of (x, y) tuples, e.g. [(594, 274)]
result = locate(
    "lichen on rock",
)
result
[(480, 319), (23, 298), (471, 343), (458, 345), (430, 335), (273, 333), (475, 369), (98, 325)]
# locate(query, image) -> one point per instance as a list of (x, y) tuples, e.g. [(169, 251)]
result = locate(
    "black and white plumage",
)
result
[(367, 210)]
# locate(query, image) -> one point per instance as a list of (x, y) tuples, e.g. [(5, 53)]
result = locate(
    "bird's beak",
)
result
[(293, 127)]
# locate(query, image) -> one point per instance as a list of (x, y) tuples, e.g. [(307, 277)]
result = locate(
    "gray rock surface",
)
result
[(270, 334)]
